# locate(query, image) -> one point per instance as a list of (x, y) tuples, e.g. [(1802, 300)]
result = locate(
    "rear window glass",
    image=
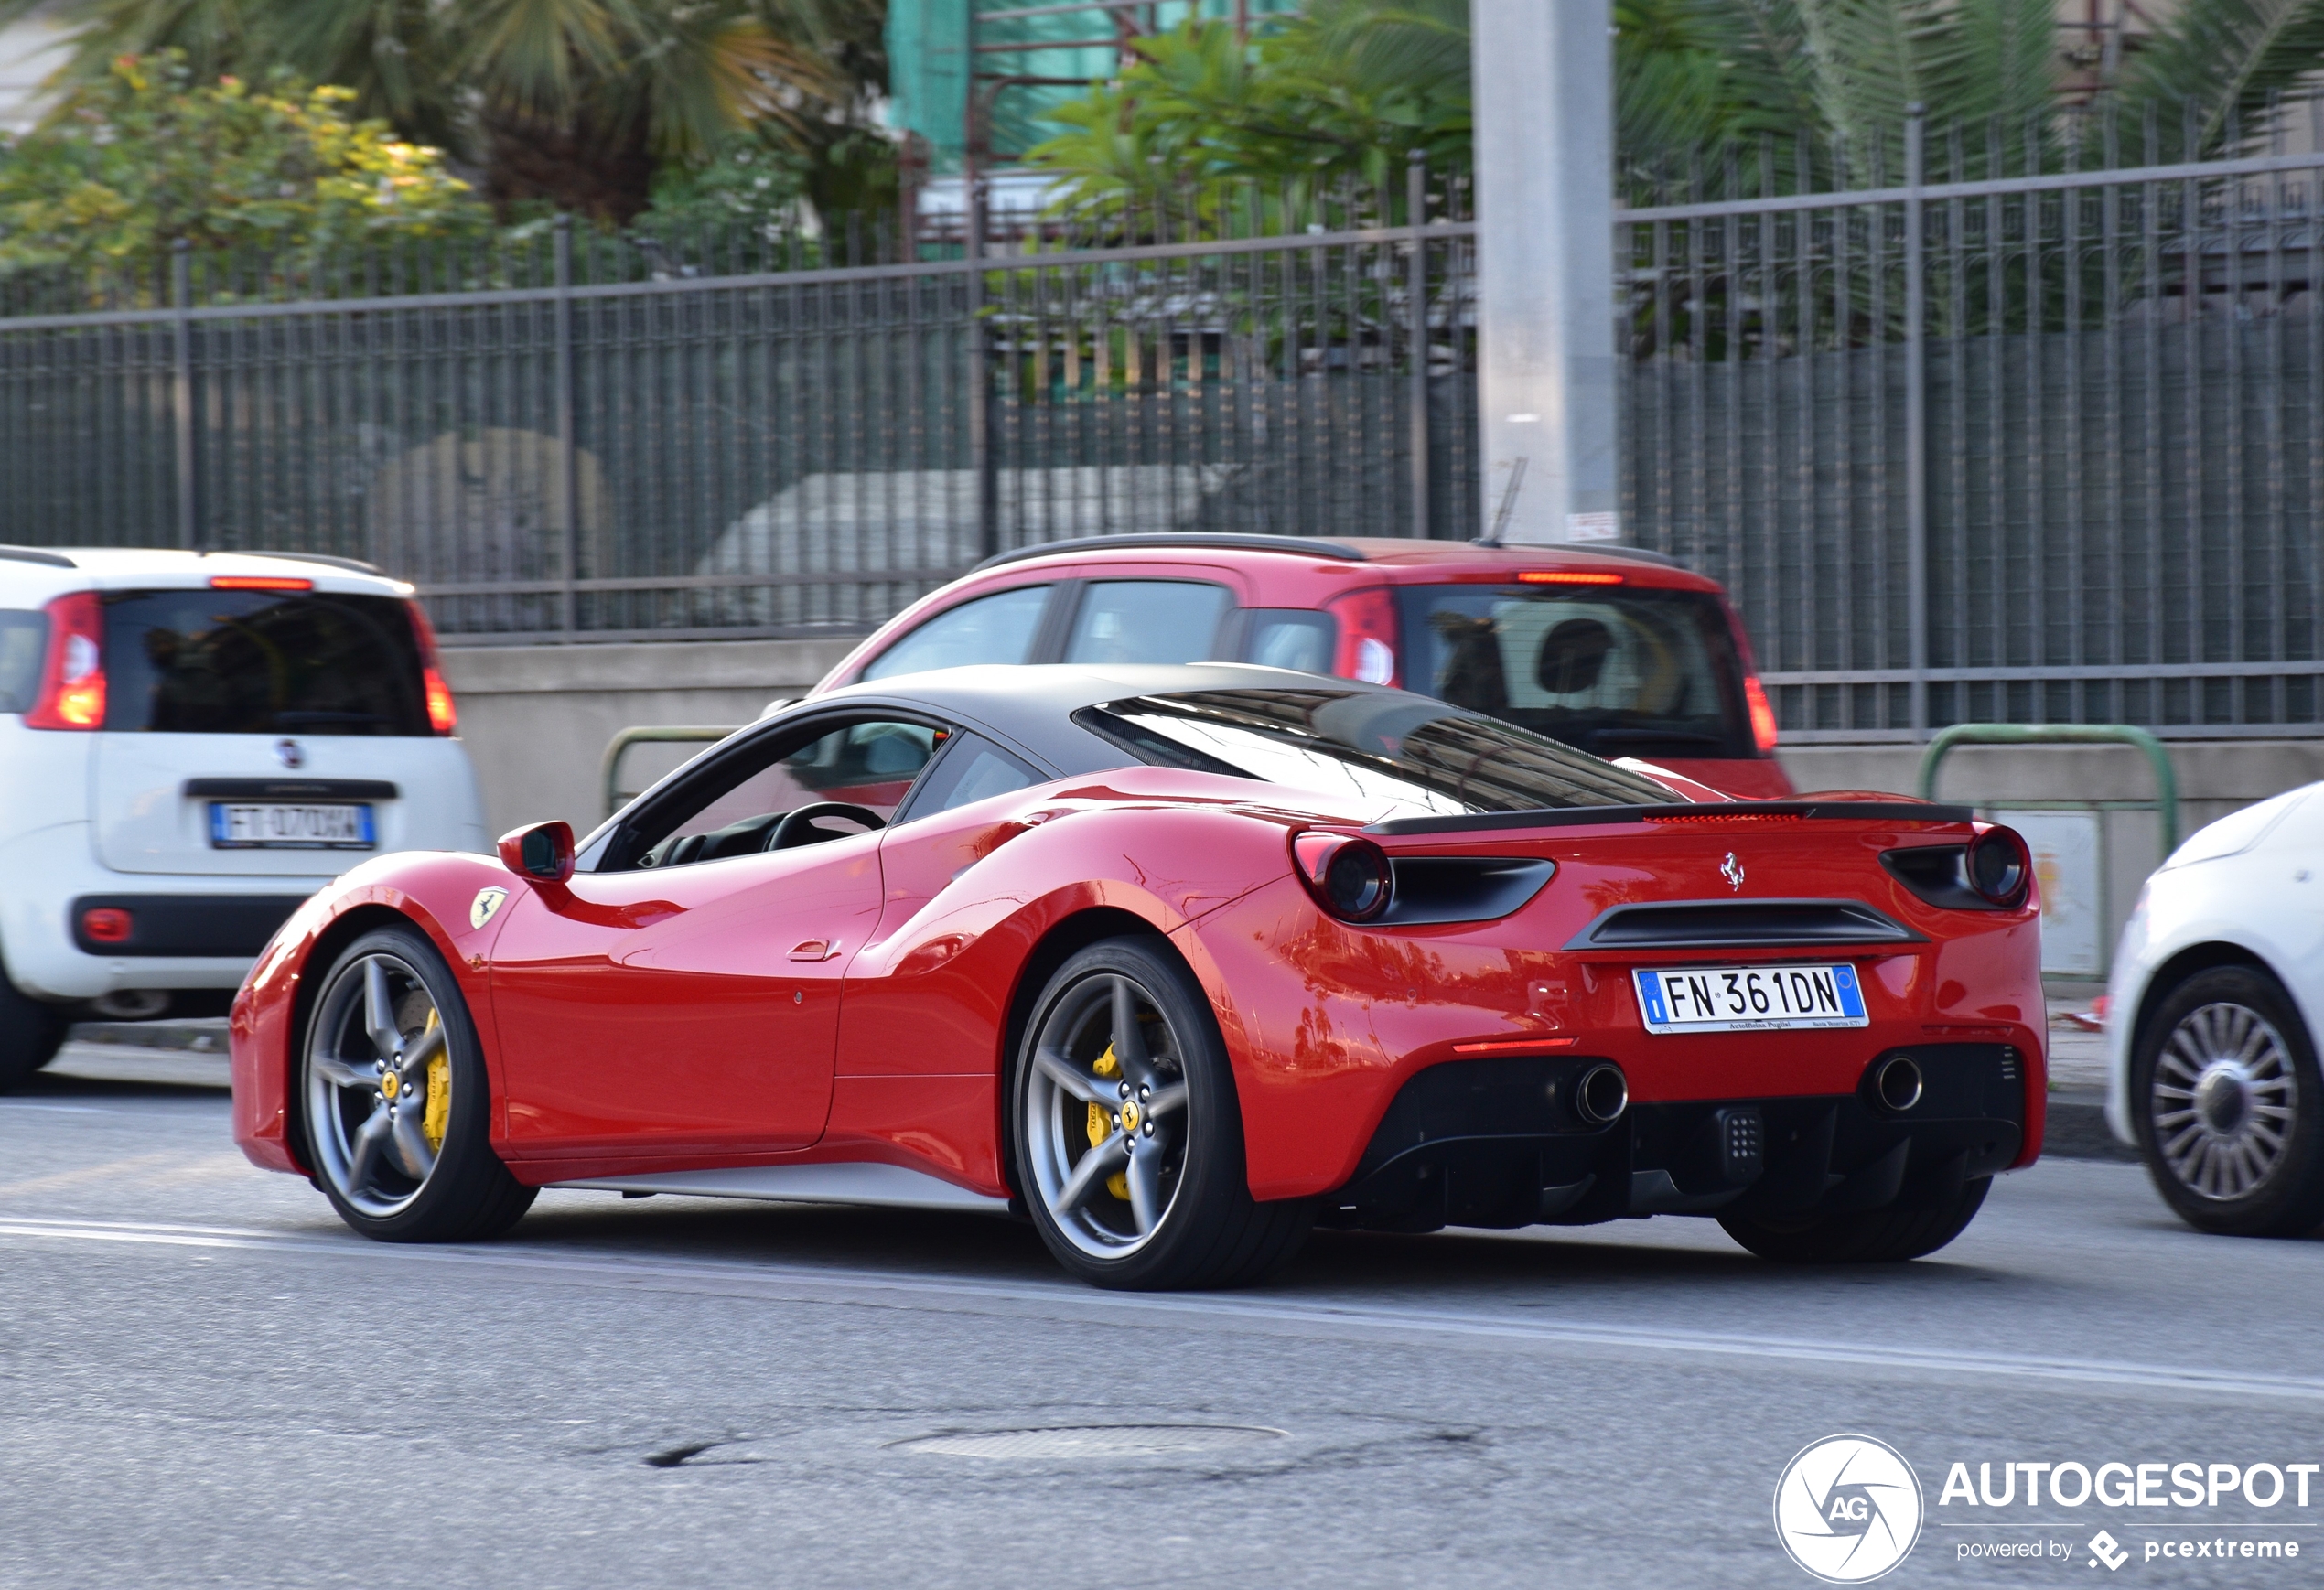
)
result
[(1368, 745), (261, 663), (24, 642), (1619, 672), (996, 628)]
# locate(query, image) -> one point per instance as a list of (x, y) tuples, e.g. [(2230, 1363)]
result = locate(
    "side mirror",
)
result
[(544, 851)]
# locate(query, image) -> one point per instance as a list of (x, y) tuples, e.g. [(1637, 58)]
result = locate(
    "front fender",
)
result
[(432, 890)]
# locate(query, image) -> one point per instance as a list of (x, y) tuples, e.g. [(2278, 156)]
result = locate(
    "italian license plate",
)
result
[(283, 827), (1750, 998)]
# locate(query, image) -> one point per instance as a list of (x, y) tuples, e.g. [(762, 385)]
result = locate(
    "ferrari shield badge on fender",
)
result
[(487, 902)]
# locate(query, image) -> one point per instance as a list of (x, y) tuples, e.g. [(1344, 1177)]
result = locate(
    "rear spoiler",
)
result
[(1703, 812)]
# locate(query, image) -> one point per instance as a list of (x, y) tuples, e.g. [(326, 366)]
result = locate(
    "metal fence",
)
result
[(592, 439), (1973, 426), (2026, 428)]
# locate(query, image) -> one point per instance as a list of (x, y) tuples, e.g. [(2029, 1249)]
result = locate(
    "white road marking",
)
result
[(905, 1290)]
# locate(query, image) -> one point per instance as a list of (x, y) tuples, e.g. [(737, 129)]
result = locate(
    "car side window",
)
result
[(869, 764), (24, 640), (996, 628), (1147, 621), (1289, 637), (972, 769)]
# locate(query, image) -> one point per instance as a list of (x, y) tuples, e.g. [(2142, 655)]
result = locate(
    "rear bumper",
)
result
[(184, 925), (1496, 1143), (210, 922)]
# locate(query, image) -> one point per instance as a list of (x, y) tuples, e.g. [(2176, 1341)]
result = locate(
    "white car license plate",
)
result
[(1750, 998), (283, 827)]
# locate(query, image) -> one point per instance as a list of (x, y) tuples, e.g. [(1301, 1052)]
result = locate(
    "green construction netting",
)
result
[(928, 63)]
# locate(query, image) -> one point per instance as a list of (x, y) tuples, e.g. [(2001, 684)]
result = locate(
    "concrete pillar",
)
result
[(1545, 108)]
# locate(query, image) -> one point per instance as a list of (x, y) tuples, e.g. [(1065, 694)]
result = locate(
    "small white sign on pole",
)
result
[(2068, 866)]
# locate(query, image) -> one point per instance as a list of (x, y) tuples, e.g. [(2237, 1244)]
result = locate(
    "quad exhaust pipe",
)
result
[(1602, 1094), (1896, 1084)]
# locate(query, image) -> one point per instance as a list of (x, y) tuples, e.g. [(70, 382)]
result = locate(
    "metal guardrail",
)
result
[(619, 747), (2165, 804)]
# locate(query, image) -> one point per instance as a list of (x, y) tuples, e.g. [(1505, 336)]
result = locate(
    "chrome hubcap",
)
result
[(2224, 1098), (377, 1084), (1105, 1117)]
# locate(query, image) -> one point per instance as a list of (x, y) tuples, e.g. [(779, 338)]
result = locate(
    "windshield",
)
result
[(1617, 670), (1373, 746), (256, 662)]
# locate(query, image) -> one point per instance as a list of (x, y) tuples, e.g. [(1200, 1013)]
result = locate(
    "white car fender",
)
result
[(2253, 881)]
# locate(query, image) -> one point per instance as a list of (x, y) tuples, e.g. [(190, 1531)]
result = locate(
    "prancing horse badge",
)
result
[(1731, 870), (487, 902)]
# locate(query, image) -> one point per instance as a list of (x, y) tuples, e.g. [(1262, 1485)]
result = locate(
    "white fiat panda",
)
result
[(191, 744)]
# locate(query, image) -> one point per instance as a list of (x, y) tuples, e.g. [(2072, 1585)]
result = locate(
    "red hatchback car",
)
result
[(1614, 651)]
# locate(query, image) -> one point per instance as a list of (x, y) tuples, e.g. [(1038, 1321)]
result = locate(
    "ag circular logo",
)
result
[(1847, 1508)]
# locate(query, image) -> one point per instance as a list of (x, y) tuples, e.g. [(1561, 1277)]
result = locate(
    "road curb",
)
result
[(2078, 1130)]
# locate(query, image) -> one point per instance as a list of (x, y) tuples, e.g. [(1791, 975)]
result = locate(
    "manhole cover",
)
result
[(1095, 1441)]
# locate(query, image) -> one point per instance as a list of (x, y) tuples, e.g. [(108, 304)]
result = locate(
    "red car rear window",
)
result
[(1626, 670)]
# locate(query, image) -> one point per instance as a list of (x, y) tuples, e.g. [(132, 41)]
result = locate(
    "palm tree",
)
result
[(570, 102), (1711, 76), (1702, 80)]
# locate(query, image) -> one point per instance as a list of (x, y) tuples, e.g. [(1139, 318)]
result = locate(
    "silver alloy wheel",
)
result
[(2223, 1100), (377, 1083), (1106, 1115)]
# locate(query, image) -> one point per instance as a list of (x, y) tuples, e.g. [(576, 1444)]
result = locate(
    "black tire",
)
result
[(2261, 1091), (31, 1032), (465, 1194), (1862, 1237), (1209, 1231)]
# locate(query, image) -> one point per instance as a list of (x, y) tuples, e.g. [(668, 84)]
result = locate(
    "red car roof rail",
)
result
[(1706, 813), (1312, 546)]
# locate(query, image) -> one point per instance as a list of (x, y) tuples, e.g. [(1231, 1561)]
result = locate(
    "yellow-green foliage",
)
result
[(131, 164)]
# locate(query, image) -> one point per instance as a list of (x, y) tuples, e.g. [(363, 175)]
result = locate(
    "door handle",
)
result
[(815, 950)]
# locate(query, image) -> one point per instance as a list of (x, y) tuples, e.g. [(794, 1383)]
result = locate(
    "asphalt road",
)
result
[(204, 1379)]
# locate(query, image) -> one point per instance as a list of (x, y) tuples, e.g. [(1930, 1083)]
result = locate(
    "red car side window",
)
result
[(1147, 621), (999, 628)]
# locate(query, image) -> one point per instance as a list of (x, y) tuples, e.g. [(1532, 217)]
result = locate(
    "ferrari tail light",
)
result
[(1992, 872), (1349, 877), (1762, 714), (1367, 644), (443, 713), (72, 676), (1998, 867)]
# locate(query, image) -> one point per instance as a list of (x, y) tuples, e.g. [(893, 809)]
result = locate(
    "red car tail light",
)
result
[(1999, 866), (442, 712), (73, 676), (107, 925), (1367, 647), (1349, 877), (260, 583), (1567, 577), (1762, 714)]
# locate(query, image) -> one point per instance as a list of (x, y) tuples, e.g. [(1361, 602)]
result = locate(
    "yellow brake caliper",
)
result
[(1102, 1123), (438, 1114)]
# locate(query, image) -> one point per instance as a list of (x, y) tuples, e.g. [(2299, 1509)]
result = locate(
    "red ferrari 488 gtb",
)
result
[(1180, 963)]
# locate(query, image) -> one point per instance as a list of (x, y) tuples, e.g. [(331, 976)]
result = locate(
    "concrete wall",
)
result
[(536, 718)]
